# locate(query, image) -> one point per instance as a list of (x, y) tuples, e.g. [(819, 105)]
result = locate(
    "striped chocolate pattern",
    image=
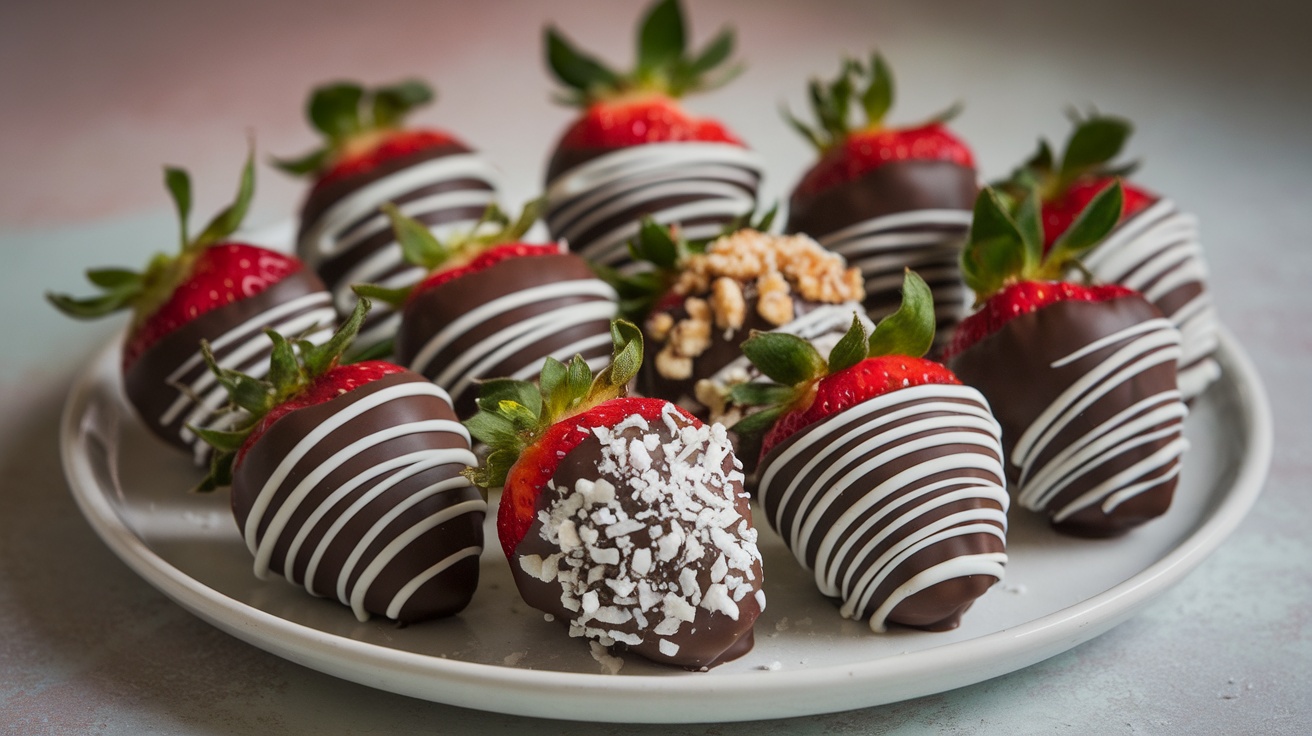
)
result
[(172, 388), (350, 241), (1157, 253), (898, 500), (1143, 441), (596, 206), (504, 320), (928, 241), (361, 499)]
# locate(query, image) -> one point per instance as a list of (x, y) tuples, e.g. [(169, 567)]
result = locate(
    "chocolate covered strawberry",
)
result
[(1154, 248), (348, 479), (635, 151), (493, 305), (882, 473), (215, 289), (623, 517), (369, 157), (886, 198), (1081, 377)]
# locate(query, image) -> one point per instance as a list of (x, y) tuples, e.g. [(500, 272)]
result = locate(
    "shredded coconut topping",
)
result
[(654, 537)]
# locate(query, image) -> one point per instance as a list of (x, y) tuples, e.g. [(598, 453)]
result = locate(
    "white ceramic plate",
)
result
[(499, 655)]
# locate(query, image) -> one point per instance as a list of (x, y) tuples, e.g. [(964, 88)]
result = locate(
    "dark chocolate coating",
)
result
[(147, 383), (436, 308), (359, 494), (811, 484), (1014, 369), (627, 193), (712, 637), (930, 247)]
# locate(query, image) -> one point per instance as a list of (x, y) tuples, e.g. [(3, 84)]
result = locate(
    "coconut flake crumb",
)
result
[(656, 536), (610, 664)]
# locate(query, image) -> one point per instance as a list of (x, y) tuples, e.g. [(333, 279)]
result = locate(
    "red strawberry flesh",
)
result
[(371, 153), (1022, 298), (649, 119), (866, 150), (866, 380), (482, 261), (337, 381), (538, 463), (220, 275), (1060, 213)]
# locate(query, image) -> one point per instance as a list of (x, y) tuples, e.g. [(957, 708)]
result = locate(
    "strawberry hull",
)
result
[(346, 239), (643, 548), (902, 214), (1086, 393), (596, 204), (163, 383), (503, 321), (361, 499), (897, 504)]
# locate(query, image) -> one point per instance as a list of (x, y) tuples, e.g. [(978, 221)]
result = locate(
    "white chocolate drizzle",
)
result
[(927, 241), (598, 204), (948, 438), (355, 219), (1156, 252), (1157, 417)]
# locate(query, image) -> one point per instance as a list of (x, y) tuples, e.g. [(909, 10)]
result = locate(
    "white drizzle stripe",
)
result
[(403, 595), (585, 347), (974, 521), (317, 435), (475, 317), (320, 240), (969, 427), (1121, 486), (628, 183), (991, 564), (825, 320), (264, 549), (397, 545), (553, 322), (362, 543), (1156, 252), (883, 248), (378, 221), (1134, 350)]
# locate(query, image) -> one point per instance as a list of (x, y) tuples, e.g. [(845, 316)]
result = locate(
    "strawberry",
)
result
[(1083, 378), (1155, 248), (214, 289), (634, 151), (371, 157), (880, 471), (623, 517), (347, 478), (886, 198), (492, 304)]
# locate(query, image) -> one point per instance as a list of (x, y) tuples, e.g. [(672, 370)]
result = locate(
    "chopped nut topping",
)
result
[(659, 325), (775, 308), (727, 303), (673, 367)]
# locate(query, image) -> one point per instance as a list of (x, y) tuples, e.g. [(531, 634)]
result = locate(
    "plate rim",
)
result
[(774, 694)]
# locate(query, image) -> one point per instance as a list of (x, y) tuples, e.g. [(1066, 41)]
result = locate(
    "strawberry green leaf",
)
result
[(1097, 220), (319, 359), (811, 135), (756, 393), (910, 330), (552, 382), (492, 429), (226, 222), (661, 38), (381, 350), (1042, 161), (1029, 223), (626, 359), (220, 475), (91, 307), (715, 54), (784, 358), (248, 393), (395, 297), (221, 440), (308, 164), (519, 415), (851, 348), (492, 392), (573, 68), (178, 182), (995, 249), (392, 103), (334, 110), (284, 370), (418, 244), (1095, 141), (114, 278), (655, 245), (757, 424), (578, 379), (877, 98)]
